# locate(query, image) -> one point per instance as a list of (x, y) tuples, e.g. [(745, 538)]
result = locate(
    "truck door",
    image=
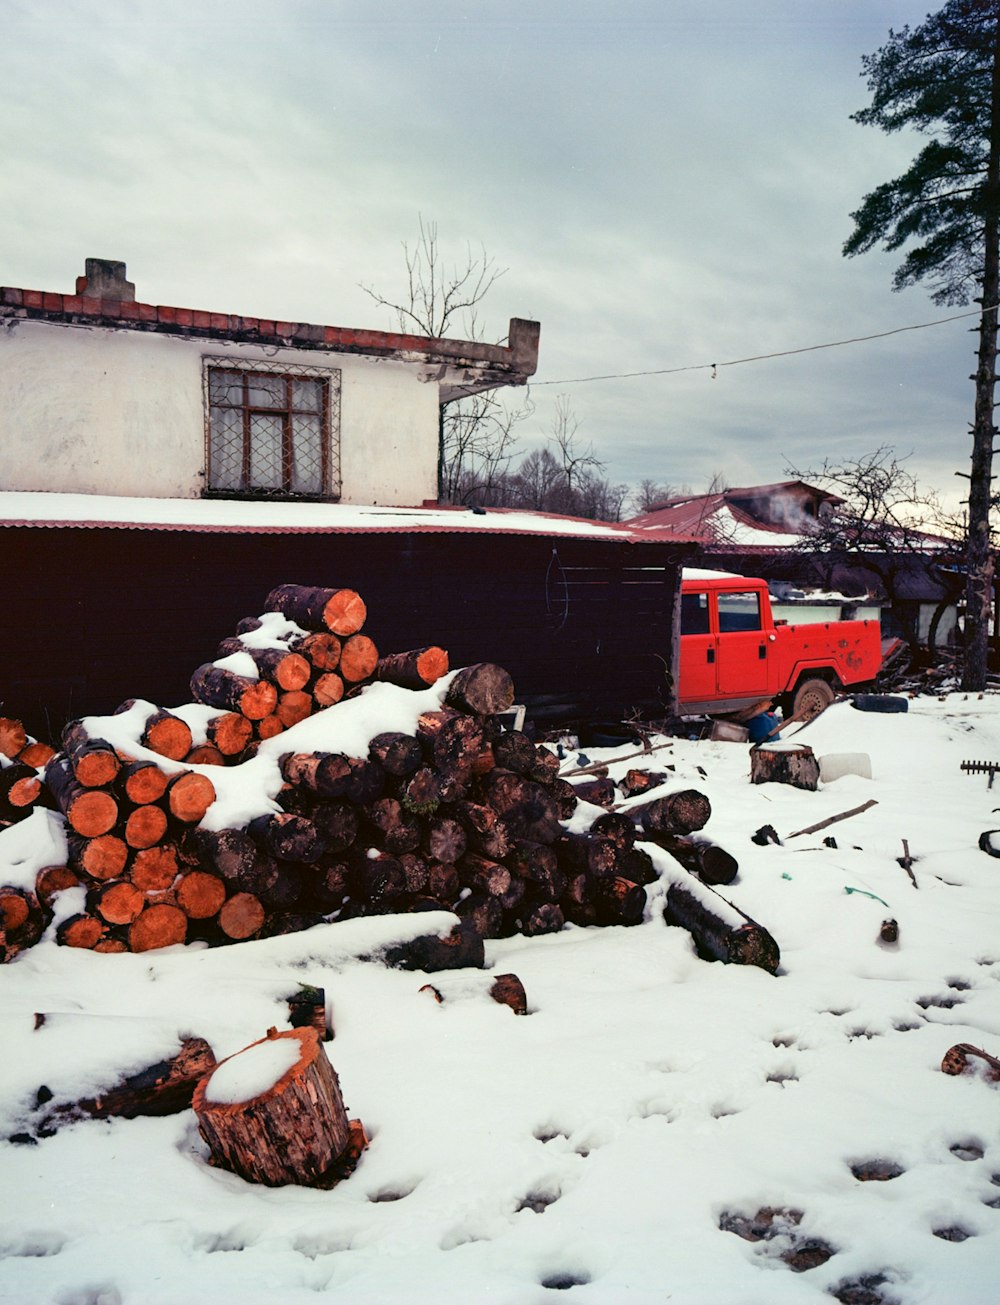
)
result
[(743, 647), (697, 648)]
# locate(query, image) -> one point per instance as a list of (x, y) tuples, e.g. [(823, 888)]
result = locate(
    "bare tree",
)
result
[(885, 525), (476, 440), (650, 494)]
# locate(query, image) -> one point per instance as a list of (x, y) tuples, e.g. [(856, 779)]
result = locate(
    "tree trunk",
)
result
[(721, 932), (217, 687), (293, 1132), (979, 554), (413, 670)]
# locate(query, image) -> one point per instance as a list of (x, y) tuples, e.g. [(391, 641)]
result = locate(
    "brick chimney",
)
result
[(105, 279)]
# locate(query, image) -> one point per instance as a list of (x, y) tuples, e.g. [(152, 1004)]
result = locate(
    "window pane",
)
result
[(225, 454), (225, 387), (694, 614), (739, 612), (265, 391), (307, 396), (307, 456), (265, 452)]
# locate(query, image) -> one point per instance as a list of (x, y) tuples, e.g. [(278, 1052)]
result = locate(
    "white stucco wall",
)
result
[(102, 411)]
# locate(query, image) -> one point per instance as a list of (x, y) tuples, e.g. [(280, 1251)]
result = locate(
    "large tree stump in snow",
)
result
[(784, 763), (273, 1112)]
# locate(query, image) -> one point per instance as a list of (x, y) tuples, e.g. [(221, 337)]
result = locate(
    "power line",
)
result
[(763, 357)]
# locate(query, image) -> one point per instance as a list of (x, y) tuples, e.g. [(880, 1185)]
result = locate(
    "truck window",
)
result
[(694, 614), (739, 611)]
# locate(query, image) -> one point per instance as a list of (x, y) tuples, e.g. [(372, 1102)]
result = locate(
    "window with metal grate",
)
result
[(272, 431)]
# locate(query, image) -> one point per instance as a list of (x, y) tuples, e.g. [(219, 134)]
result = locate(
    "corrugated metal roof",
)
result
[(92, 511)]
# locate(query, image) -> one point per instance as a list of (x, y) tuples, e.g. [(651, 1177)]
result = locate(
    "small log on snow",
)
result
[(341, 611), (273, 1113), (168, 735), (956, 1060), (778, 763), (721, 931), (641, 781), (416, 669), (711, 863), (508, 990), (217, 687), (164, 1088), (681, 812), (482, 689)]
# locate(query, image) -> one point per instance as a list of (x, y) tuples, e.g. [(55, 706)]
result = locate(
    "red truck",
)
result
[(735, 655)]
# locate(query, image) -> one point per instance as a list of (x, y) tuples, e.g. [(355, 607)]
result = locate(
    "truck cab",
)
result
[(734, 656)]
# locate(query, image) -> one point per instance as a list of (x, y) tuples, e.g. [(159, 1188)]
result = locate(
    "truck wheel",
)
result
[(812, 697)]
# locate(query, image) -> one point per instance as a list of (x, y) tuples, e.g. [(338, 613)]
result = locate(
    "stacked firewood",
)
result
[(21, 759), (462, 815), (311, 659)]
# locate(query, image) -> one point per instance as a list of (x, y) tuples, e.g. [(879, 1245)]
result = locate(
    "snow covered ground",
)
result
[(589, 1151)]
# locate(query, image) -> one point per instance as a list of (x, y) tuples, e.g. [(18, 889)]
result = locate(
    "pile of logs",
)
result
[(462, 815)]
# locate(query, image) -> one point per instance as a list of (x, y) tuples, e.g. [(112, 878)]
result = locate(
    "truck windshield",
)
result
[(739, 611)]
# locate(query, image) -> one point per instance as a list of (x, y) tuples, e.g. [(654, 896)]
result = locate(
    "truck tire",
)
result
[(879, 702), (812, 697)]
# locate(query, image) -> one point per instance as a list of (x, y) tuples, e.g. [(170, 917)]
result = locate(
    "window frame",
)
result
[(329, 423)]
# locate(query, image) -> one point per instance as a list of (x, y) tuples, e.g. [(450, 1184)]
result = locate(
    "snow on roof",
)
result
[(249, 516)]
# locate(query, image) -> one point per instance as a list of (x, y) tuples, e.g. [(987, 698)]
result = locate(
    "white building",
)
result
[(102, 394)]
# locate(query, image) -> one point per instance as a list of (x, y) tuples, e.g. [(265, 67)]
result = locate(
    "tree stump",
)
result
[(273, 1112), (784, 763)]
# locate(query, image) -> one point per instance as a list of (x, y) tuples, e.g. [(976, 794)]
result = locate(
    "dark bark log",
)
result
[(617, 826), (288, 837), (341, 611), (486, 831), (513, 750), (22, 918), (416, 669), (711, 863), (563, 794), (217, 687), (285, 670), (482, 689), (455, 744), (420, 794), (444, 839), (641, 781), (637, 865), (588, 854), (165, 1088), (544, 918), (397, 754), (295, 1132), (327, 884), (442, 881), (491, 878), (394, 830), (460, 949), (337, 823), (484, 914), (599, 792), (379, 879), (782, 763), (21, 790), (528, 809), (205, 754), (721, 931), (416, 871), (227, 851), (680, 812), (321, 650), (332, 775), (619, 901)]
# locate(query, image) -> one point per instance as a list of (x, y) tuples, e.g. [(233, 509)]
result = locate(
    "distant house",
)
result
[(104, 394), (765, 530)]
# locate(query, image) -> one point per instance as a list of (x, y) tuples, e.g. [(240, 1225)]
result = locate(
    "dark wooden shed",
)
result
[(100, 610)]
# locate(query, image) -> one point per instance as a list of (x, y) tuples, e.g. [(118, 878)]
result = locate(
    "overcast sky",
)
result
[(667, 182)]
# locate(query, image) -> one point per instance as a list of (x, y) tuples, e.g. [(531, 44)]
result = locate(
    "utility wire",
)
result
[(762, 357)]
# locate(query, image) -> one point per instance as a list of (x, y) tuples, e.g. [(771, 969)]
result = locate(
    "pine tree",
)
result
[(943, 79)]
